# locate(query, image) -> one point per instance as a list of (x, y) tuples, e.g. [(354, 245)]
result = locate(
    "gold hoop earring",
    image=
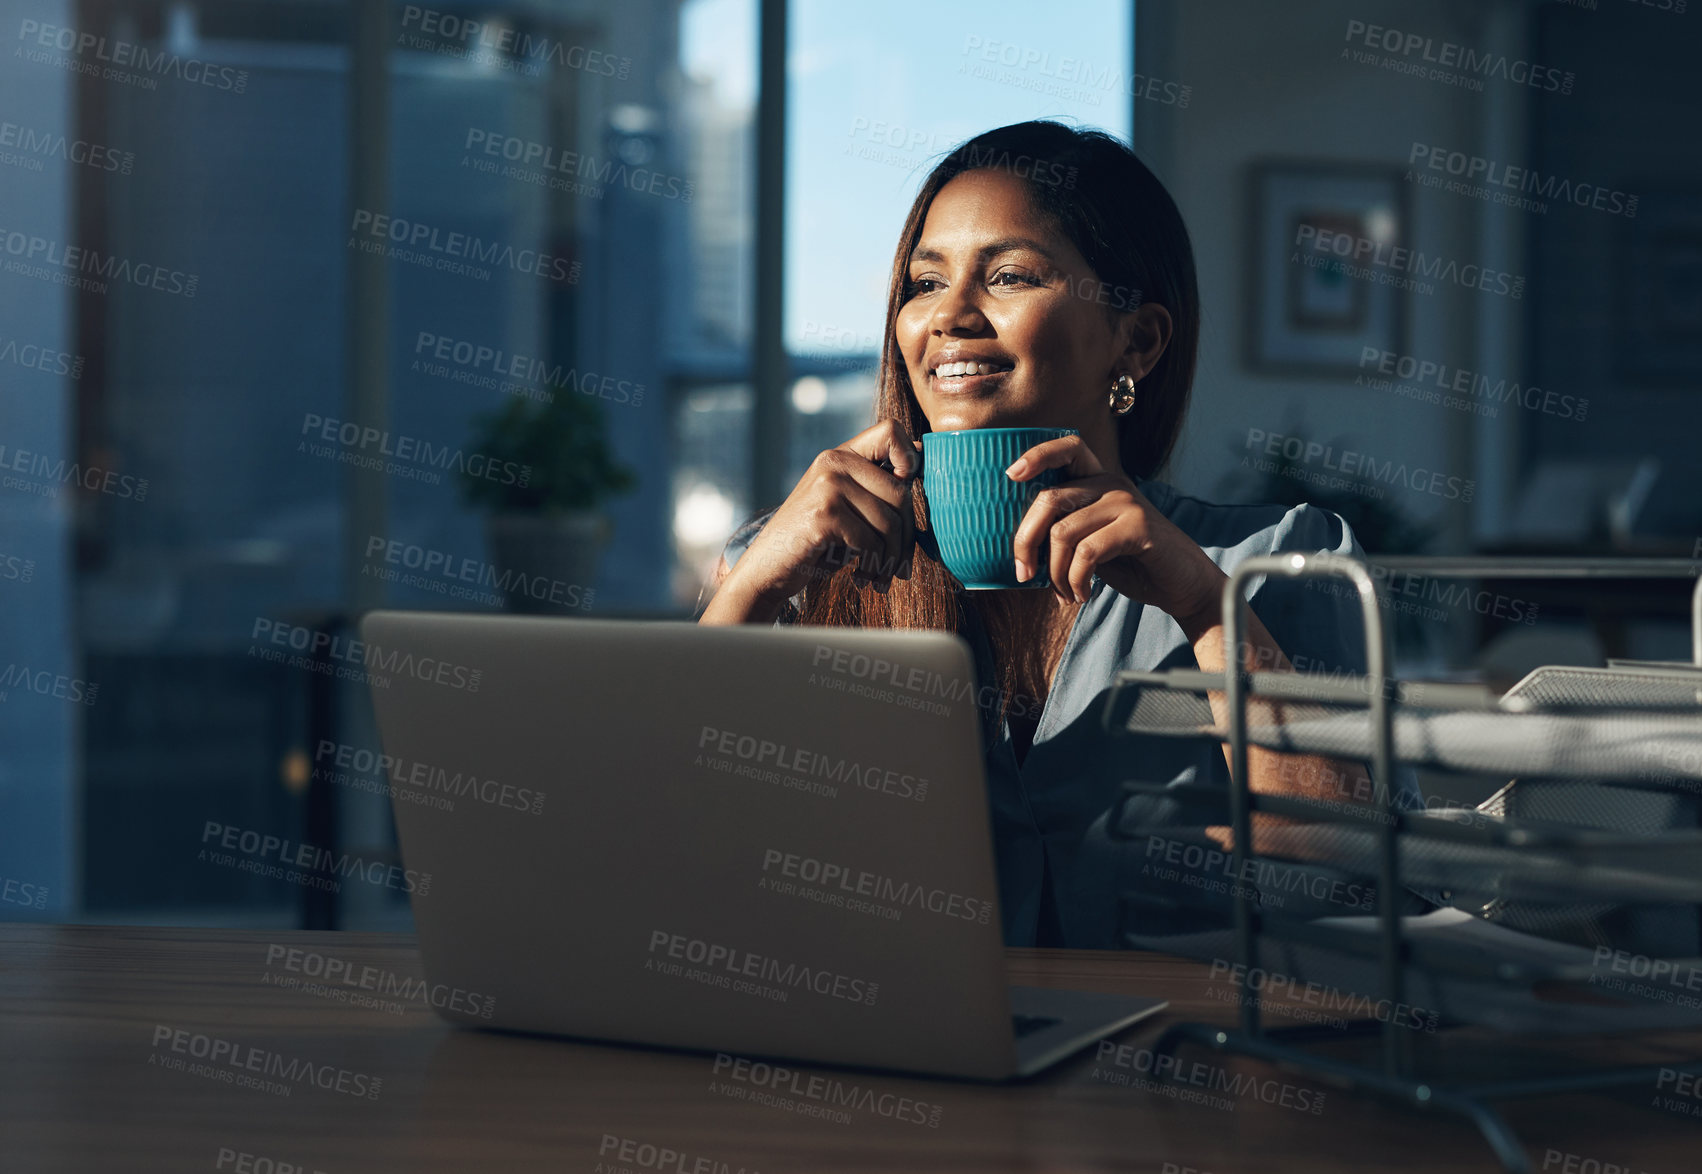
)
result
[(1122, 396)]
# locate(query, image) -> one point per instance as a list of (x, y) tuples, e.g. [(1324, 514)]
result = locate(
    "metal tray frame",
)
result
[(1394, 1076)]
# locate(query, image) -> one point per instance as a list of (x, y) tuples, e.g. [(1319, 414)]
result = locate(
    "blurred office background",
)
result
[(718, 185)]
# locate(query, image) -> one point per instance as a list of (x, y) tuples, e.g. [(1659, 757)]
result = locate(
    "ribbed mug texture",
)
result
[(974, 509)]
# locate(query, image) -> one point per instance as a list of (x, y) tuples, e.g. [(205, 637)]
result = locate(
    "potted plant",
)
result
[(544, 470)]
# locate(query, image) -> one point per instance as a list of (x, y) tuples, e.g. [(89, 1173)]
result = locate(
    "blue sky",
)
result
[(878, 92)]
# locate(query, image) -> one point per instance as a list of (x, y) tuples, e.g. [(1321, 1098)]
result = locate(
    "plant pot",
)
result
[(546, 564)]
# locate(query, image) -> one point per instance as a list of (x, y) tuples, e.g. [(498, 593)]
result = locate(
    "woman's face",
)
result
[(991, 282)]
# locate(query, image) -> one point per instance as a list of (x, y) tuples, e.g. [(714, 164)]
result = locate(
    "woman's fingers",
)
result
[(883, 499), (1050, 505), (837, 468), (1069, 453), (1079, 543), (860, 459), (849, 502), (846, 536), (1090, 537), (892, 526), (884, 461), (1072, 455), (887, 443)]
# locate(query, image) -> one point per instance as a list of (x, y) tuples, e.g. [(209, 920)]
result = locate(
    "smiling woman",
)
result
[(1044, 278)]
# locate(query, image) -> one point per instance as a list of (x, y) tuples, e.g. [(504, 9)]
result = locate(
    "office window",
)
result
[(711, 400), (566, 218), (875, 102), (566, 213)]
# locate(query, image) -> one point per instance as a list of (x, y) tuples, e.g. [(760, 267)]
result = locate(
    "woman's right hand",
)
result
[(852, 504)]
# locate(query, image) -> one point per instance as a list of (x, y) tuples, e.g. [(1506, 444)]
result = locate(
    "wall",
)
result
[(1268, 81)]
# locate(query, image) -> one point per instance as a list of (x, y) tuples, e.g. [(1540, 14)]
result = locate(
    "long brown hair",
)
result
[(1121, 219)]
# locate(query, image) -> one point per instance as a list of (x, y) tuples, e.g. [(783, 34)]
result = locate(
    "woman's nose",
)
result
[(958, 311)]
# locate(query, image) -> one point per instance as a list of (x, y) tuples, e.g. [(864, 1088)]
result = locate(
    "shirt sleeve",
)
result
[(1317, 621), (1317, 627), (1317, 624)]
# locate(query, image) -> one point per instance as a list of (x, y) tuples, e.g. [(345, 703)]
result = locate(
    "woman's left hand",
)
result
[(1096, 522)]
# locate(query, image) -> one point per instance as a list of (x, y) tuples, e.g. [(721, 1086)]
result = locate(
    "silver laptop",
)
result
[(765, 841)]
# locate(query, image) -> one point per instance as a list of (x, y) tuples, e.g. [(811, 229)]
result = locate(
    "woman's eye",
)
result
[(926, 285)]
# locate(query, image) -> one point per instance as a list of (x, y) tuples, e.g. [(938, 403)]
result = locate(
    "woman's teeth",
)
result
[(948, 370)]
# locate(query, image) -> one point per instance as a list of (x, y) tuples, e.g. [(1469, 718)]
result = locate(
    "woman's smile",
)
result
[(969, 371)]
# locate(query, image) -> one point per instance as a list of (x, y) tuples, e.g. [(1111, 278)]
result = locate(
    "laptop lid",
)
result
[(772, 841)]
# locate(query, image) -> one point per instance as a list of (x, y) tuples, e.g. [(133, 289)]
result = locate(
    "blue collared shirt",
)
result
[(1060, 869)]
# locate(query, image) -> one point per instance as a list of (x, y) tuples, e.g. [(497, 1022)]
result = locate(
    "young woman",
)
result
[(1044, 277)]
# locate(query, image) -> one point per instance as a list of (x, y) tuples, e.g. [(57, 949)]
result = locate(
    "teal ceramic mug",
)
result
[(974, 509)]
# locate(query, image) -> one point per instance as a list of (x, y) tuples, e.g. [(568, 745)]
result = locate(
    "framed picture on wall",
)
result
[(1308, 313)]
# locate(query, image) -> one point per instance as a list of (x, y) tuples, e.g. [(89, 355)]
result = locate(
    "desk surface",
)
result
[(85, 1087)]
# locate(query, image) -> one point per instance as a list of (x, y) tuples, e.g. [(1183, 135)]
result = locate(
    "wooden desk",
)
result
[(82, 1086)]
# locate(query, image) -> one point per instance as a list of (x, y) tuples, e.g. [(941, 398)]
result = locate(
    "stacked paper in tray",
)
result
[(1588, 863)]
